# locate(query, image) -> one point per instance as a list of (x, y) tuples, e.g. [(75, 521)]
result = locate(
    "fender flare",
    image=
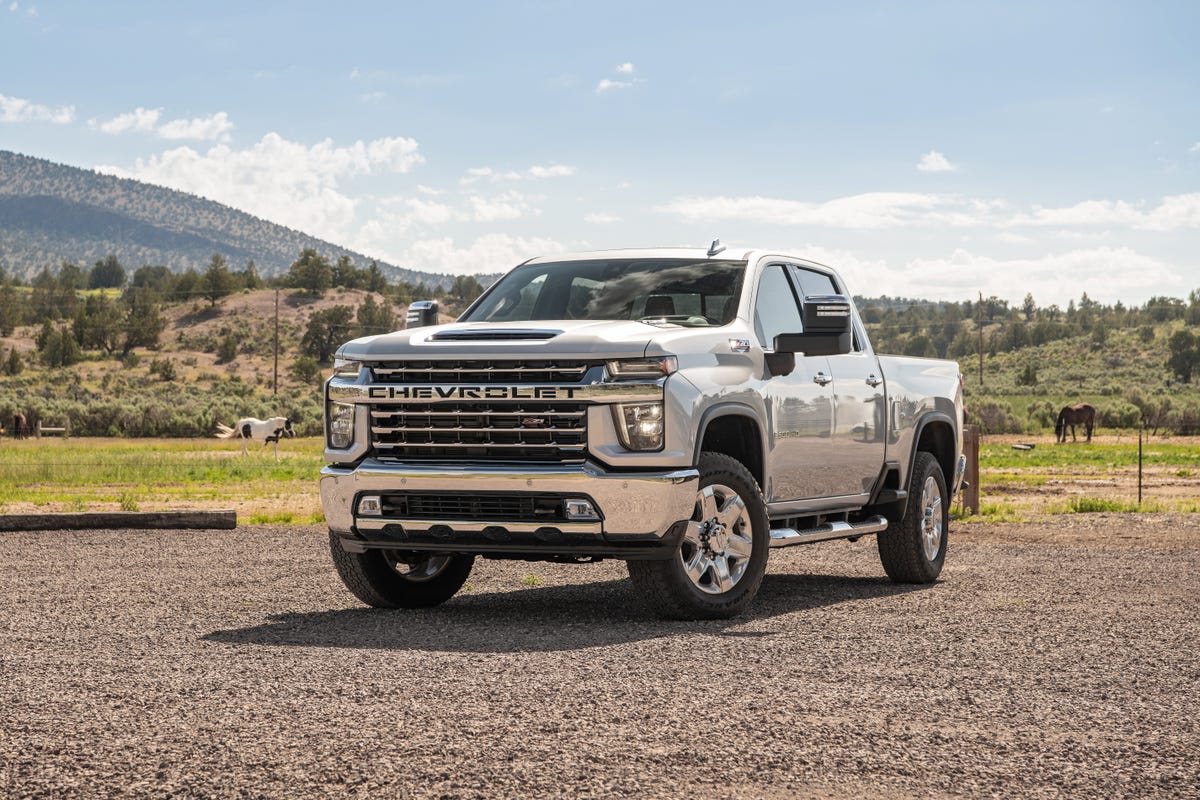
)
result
[(919, 429), (732, 409)]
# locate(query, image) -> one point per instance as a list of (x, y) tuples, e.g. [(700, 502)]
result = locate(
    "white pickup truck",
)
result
[(683, 410)]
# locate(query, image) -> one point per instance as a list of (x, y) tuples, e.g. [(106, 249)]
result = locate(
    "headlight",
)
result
[(640, 425), (341, 425), (346, 368), (642, 368)]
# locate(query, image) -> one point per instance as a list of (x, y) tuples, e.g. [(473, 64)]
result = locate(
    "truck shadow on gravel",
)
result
[(547, 619)]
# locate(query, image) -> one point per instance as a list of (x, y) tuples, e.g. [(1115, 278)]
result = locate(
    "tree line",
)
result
[(993, 326), (106, 309)]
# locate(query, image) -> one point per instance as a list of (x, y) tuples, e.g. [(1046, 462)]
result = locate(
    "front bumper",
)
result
[(641, 510)]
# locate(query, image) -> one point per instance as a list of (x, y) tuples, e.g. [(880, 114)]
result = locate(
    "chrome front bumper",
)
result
[(637, 507)]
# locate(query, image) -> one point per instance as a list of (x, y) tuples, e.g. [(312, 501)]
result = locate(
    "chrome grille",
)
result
[(476, 371), (492, 430)]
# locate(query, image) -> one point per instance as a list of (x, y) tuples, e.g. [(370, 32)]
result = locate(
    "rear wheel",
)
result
[(913, 548), (397, 579), (721, 560)]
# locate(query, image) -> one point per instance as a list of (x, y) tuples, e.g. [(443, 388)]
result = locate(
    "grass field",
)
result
[(1078, 477), (101, 474)]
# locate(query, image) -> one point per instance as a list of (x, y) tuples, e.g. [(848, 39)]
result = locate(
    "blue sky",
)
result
[(932, 149)]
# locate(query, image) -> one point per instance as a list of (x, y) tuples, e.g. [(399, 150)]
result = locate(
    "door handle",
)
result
[(872, 381), (821, 378)]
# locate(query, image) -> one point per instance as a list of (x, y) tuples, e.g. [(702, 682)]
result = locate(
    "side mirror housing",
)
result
[(827, 329)]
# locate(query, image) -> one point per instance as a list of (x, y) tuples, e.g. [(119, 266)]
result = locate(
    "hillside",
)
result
[(50, 213)]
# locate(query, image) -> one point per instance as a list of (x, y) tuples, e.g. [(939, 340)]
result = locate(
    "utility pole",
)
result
[(275, 380), (981, 338)]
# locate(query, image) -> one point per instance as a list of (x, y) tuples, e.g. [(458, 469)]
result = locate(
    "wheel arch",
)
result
[(733, 429), (934, 434)]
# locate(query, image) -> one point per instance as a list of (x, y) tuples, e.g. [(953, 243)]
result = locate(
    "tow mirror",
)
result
[(826, 328)]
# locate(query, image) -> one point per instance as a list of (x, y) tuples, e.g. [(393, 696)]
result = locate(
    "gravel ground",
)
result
[(1053, 660)]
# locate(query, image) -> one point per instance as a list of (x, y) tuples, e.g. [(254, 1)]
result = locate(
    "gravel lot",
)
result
[(1056, 658)]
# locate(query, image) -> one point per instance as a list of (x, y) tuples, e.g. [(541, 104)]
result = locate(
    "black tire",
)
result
[(379, 577), (667, 586), (904, 548)]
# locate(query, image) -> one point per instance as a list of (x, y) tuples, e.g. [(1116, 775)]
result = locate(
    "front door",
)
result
[(799, 405)]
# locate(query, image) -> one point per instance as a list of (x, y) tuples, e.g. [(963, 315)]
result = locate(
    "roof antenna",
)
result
[(716, 247)]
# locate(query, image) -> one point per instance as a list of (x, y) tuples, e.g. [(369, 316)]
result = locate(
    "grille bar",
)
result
[(547, 431)]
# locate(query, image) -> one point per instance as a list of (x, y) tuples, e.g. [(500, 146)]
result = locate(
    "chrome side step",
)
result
[(786, 537)]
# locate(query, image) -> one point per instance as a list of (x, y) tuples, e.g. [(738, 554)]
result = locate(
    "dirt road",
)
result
[(1051, 660)]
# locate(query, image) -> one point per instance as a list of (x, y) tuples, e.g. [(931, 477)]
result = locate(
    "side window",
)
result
[(812, 282), (775, 308)]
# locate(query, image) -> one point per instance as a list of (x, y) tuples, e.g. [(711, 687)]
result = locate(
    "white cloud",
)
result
[(597, 218), (551, 171), (626, 68), (1174, 212), (140, 119), (215, 127), (873, 210), (495, 252), (509, 205), (1194, 148), (607, 85), (283, 181), (933, 161), (16, 109), (14, 6), (537, 171), (870, 210), (1107, 274)]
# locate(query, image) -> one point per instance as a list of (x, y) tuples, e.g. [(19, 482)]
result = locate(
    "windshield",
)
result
[(679, 290)]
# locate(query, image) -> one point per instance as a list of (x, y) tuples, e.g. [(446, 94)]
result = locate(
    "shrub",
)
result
[(994, 417)]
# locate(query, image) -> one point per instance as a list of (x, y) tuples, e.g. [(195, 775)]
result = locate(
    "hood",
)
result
[(519, 340)]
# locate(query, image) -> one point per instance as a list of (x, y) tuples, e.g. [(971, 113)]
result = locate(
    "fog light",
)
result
[(578, 510), (370, 505), (341, 425), (640, 426)]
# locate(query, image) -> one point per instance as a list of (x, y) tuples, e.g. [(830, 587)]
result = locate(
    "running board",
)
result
[(786, 537)]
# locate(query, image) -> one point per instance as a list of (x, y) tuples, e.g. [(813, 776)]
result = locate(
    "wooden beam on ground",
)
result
[(116, 520)]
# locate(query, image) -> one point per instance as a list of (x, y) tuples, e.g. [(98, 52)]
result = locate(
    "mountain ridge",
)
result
[(50, 213)]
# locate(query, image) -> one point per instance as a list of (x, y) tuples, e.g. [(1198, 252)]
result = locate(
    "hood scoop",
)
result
[(496, 335)]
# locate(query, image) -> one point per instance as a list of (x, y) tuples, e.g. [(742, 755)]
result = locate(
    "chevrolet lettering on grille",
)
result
[(472, 392)]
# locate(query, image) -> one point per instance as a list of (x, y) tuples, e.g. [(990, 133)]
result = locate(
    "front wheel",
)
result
[(392, 579), (723, 555), (913, 548)]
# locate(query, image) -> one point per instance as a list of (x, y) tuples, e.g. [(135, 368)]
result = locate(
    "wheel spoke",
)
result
[(708, 504), (732, 511), (721, 574), (739, 546), (692, 534), (697, 566)]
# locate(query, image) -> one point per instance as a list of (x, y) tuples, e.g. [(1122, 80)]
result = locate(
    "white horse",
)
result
[(264, 430)]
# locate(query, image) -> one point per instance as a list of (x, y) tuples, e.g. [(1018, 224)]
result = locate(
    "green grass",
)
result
[(91, 474), (1156, 453), (1091, 505)]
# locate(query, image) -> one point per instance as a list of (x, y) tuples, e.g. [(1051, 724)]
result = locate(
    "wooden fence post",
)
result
[(971, 451)]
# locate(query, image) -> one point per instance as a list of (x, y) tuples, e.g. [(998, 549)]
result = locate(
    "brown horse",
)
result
[(1078, 414), (20, 429)]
